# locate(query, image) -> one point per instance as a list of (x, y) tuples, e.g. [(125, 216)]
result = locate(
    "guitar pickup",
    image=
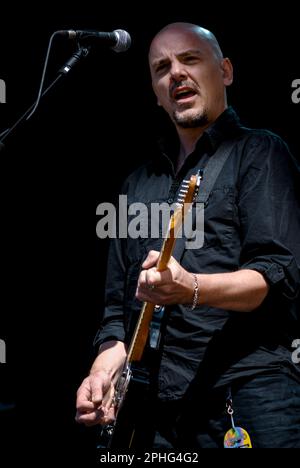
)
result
[(155, 327)]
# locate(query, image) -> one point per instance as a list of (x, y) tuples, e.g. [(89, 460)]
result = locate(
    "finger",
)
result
[(146, 283), (98, 388), (147, 295), (142, 282), (92, 418), (108, 398), (151, 259), (84, 406), (153, 278), (110, 415), (98, 416), (84, 393)]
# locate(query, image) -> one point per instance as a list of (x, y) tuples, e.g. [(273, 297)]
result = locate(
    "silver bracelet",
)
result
[(196, 292)]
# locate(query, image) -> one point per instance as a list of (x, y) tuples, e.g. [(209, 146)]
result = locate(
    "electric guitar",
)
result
[(131, 373)]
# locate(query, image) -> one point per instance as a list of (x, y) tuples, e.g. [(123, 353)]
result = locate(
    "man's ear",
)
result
[(227, 70), (153, 88)]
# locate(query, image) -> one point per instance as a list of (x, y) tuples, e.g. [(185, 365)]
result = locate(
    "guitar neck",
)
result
[(141, 332)]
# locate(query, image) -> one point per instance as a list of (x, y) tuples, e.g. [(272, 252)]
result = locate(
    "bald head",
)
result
[(203, 34), (189, 74)]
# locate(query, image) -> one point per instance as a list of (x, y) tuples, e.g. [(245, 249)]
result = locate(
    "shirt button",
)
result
[(170, 200)]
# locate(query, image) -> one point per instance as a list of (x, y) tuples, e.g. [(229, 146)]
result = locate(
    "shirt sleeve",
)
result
[(269, 213), (112, 323)]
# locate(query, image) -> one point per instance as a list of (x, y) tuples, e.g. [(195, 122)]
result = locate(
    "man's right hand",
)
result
[(94, 400)]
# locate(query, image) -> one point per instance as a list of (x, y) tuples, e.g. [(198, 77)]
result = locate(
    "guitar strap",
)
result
[(210, 173)]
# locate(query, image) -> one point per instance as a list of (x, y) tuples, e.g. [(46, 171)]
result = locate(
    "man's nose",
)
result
[(177, 71)]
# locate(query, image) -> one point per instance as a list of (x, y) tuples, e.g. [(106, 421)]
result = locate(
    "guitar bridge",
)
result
[(122, 387)]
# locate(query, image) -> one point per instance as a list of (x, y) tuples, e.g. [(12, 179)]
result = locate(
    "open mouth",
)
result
[(183, 93)]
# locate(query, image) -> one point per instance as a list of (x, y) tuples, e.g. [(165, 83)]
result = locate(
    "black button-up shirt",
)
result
[(251, 221)]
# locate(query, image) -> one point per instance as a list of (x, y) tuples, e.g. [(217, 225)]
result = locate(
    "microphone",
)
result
[(118, 40)]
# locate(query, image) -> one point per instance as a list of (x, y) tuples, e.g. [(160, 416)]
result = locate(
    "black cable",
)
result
[(43, 75), (76, 57), (6, 132)]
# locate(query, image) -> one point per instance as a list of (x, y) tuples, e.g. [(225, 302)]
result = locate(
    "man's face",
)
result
[(187, 77)]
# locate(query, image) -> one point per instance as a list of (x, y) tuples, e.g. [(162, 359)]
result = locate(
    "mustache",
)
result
[(180, 84)]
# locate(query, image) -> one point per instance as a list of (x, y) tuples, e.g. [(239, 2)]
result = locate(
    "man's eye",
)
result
[(191, 59), (161, 67)]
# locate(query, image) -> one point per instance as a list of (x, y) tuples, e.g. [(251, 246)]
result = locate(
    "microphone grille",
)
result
[(123, 40)]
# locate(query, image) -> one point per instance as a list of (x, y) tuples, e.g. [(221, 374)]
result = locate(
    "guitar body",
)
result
[(133, 430)]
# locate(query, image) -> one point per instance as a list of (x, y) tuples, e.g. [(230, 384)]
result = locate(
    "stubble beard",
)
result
[(184, 120)]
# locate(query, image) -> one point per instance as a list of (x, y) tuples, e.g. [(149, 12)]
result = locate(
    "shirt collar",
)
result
[(225, 126)]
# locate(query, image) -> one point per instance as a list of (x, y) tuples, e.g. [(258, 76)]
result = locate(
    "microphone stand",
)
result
[(76, 57)]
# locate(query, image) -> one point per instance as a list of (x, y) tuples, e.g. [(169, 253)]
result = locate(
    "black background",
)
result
[(87, 135)]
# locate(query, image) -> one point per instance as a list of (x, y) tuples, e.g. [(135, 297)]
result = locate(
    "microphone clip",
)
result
[(75, 58)]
